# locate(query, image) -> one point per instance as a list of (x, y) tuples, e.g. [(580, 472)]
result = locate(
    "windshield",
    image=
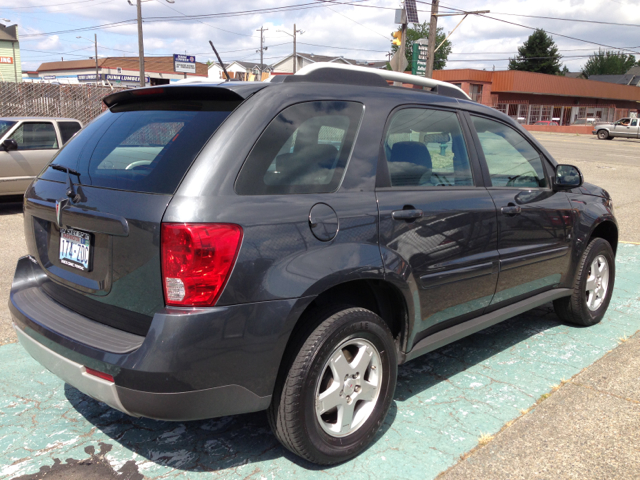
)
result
[(146, 149), (5, 125)]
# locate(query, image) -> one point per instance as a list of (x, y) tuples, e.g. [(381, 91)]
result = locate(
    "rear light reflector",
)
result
[(197, 259), (96, 373)]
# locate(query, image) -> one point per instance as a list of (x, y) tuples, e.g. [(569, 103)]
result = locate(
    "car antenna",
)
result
[(220, 60)]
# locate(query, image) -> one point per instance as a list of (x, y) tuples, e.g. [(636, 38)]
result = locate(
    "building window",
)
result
[(476, 93)]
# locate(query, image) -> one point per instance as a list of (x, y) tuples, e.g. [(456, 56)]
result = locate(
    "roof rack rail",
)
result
[(441, 88)]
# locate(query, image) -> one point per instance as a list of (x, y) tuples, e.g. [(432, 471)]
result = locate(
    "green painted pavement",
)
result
[(444, 402)]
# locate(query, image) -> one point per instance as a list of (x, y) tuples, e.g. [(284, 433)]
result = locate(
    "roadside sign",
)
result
[(184, 63), (6, 60), (419, 62)]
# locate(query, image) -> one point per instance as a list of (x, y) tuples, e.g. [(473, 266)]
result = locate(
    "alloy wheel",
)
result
[(348, 387)]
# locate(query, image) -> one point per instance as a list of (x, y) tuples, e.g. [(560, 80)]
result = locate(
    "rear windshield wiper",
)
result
[(71, 193)]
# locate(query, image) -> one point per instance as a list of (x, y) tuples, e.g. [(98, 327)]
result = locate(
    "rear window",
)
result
[(143, 148), (68, 130), (305, 149)]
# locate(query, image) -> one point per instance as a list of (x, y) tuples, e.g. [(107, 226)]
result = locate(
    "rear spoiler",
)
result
[(223, 92)]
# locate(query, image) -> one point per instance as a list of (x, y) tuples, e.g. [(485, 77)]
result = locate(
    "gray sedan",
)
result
[(625, 128), (27, 145)]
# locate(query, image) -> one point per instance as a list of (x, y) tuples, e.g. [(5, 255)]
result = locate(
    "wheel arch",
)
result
[(608, 231), (378, 295)]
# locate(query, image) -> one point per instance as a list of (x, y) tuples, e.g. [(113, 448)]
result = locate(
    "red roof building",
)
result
[(533, 97)]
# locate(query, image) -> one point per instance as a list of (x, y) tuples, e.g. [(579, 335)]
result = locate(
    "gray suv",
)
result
[(209, 250)]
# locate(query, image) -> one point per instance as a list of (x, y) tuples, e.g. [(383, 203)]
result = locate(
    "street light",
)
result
[(95, 40), (295, 56), (138, 5)]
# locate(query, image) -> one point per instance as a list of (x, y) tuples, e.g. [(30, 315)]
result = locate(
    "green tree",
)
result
[(539, 53), (608, 62), (421, 30)]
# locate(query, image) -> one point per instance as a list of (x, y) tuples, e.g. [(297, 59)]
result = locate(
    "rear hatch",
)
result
[(92, 218)]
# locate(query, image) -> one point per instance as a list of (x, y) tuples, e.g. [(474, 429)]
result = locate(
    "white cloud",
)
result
[(360, 31)]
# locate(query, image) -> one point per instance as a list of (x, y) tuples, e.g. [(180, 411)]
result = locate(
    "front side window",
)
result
[(425, 148), (35, 136), (305, 149), (511, 159)]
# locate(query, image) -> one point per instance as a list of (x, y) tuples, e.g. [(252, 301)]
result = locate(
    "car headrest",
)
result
[(310, 165), (411, 152)]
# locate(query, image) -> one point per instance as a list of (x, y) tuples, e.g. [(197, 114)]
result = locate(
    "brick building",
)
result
[(532, 97)]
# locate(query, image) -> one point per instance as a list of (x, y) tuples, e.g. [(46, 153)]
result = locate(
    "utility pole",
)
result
[(141, 43), (295, 55), (95, 37), (295, 39), (261, 30), (431, 47)]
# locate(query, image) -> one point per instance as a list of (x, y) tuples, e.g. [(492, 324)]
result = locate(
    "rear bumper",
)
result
[(193, 364)]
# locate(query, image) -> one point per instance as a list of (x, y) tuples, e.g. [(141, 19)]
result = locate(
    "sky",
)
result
[(357, 29)]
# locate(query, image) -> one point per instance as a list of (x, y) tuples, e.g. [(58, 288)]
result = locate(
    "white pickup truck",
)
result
[(625, 128), (27, 145)]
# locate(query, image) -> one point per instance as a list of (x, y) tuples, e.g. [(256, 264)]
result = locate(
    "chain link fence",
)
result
[(82, 102)]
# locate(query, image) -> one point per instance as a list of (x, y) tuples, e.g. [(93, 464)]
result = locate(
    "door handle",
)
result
[(511, 210), (411, 214)]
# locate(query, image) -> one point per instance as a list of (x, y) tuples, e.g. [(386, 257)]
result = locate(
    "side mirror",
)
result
[(568, 177), (9, 144)]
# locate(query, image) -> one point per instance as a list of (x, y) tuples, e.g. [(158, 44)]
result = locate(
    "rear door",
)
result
[(437, 221), (100, 245), (534, 222)]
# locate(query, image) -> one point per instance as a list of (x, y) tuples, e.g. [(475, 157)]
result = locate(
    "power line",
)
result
[(342, 48), (534, 28), (351, 19), (217, 28), (577, 20), (285, 8), (44, 6)]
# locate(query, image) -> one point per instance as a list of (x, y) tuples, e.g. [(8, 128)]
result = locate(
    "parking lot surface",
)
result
[(444, 401)]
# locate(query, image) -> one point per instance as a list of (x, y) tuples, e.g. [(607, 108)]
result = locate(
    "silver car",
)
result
[(27, 145), (625, 128)]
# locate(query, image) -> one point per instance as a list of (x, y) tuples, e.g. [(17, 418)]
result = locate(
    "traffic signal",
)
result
[(398, 38)]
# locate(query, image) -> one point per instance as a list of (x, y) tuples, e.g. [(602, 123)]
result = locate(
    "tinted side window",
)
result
[(36, 136), (426, 148), (511, 159), (67, 130), (304, 149)]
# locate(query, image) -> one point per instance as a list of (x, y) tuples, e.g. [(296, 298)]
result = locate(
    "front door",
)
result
[(37, 144), (534, 222), (437, 226)]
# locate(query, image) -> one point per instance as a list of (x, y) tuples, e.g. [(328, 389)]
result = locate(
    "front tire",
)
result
[(338, 389), (593, 286), (603, 135)]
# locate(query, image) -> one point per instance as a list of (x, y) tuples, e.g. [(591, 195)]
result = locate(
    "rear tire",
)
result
[(325, 419), (603, 135), (592, 287)]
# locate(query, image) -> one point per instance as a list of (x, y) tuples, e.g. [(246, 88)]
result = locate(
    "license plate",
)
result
[(75, 248)]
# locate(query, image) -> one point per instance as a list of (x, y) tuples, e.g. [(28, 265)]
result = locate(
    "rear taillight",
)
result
[(197, 260)]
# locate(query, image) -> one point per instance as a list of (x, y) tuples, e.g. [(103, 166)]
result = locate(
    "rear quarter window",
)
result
[(68, 130), (305, 149)]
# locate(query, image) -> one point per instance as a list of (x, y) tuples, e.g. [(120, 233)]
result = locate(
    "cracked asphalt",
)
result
[(444, 401)]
